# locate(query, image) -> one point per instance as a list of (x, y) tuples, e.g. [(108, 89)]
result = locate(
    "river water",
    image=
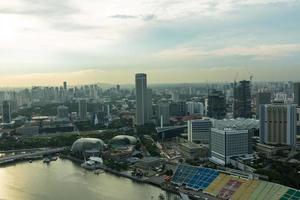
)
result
[(65, 180)]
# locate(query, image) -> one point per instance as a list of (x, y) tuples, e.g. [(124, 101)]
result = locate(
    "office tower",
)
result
[(228, 143), (199, 130), (82, 109), (6, 111), (118, 87), (195, 108), (65, 85), (174, 109), (62, 112), (278, 123), (262, 98), (149, 103), (242, 100), (297, 93), (178, 108), (175, 96), (298, 120), (216, 105), (164, 113), (182, 108), (141, 99)]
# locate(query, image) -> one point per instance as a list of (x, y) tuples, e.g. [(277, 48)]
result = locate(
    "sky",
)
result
[(174, 41)]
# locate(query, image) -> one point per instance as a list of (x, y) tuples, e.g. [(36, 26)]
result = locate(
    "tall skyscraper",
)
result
[(216, 105), (82, 109), (6, 111), (242, 100), (199, 130), (149, 103), (164, 113), (263, 97), (65, 85), (297, 93), (141, 99), (278, 123)]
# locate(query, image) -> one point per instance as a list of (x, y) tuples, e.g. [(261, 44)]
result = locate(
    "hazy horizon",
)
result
[(47, 42)]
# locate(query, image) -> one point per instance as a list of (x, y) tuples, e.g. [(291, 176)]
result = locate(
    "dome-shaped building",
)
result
[(86, 147), (122, 140)]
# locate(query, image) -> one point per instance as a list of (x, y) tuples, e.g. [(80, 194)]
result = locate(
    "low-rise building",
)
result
[(271, 150), (191, 150), (150, 163), (28, 129)]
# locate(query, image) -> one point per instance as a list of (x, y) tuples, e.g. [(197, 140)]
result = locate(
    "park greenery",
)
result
[(283, 173)]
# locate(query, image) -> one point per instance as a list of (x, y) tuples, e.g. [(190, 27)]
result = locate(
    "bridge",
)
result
[(170, 131), (13, 158)]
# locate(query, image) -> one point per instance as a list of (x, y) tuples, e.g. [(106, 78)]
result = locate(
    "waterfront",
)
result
[(66, 180)]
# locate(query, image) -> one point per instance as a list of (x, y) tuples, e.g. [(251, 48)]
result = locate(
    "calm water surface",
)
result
[(64, 180)]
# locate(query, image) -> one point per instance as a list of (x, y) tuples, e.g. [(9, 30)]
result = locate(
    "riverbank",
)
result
[(64, 179), (120, 174)]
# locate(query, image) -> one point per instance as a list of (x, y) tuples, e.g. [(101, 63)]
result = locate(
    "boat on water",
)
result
[(93, 163), (46, 160), (98, 171)]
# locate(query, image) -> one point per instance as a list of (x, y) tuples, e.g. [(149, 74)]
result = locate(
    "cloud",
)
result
[(258, 51), (124, 16), (59, 36), (147, 17), (39, 8)]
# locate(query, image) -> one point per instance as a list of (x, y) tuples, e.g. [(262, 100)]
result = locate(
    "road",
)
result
[(13, 158)]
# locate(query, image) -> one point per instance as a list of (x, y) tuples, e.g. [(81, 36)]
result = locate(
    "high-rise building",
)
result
[(195, 108), (141, 99), (297, 93), (62, 112), (82, 109), (175, 96), (6, 111), (164, 113), (242, 100), (278, 123), (65, 85), (149, 103), (178, 108), (199, 130), (216, 105), (228, 143), (263, 97)]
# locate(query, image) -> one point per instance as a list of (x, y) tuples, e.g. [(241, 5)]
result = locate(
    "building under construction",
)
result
[(242, 99)]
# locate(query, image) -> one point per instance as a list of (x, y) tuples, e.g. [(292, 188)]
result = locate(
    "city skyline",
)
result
[(45, 43)]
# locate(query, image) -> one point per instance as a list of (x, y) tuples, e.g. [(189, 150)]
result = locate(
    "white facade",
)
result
[(199, 130), (229, 143), (278, 124), (195, 108)]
